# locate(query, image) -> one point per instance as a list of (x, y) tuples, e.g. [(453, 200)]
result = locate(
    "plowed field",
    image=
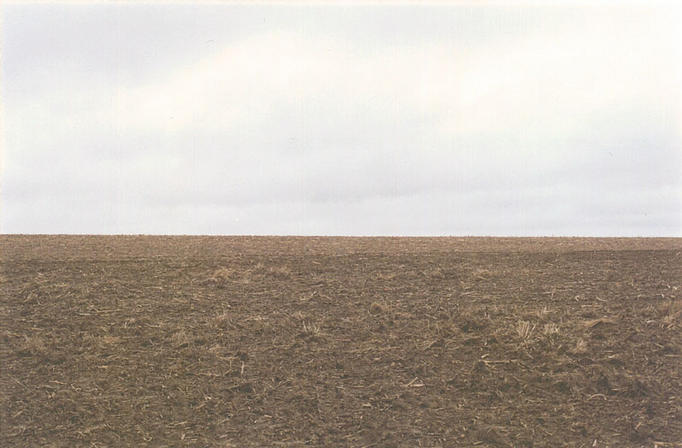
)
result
[(340, 342)]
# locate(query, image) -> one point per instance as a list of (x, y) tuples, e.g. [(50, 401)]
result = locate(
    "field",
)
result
[(340, 342)]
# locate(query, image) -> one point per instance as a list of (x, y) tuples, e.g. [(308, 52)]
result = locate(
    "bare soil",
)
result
[(341, 342)]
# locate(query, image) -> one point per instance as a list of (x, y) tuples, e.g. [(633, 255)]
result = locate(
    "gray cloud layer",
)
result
[(342, 119)]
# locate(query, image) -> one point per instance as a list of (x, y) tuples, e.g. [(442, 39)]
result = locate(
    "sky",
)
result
[(344, 118)]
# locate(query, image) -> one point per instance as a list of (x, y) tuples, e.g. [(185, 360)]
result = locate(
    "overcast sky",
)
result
[(342, 119)]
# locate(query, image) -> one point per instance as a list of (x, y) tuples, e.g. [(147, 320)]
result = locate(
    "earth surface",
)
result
[(156, 341)]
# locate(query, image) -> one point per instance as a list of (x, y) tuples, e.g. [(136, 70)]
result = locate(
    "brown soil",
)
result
[(340, 342)]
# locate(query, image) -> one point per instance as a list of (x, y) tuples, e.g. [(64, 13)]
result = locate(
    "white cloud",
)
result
[(290, 118)]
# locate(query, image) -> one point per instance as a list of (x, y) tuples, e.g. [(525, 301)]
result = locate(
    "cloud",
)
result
[(552, 125)]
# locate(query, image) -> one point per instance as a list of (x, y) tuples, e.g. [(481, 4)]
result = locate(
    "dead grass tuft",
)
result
[(223, 320), (386, 276), (180, 339), (33, 345), (310, 329), (580, 347), (550, 329), (259, 267), (223, 275), (435, 273), (524, 330), (217, 350), (599, 322), (446, 329), (481, 273), (280, 272), (541, 313), (103, 341), (670, 313)]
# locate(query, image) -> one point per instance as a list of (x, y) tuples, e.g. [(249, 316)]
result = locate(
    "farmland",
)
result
[(340, 342)]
